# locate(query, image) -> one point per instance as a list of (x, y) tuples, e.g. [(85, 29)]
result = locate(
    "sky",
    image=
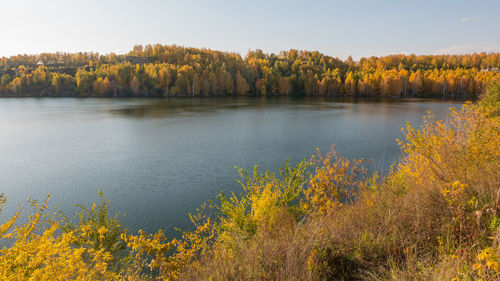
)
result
[(337, 28)]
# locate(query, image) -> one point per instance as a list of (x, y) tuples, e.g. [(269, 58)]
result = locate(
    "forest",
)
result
[(434, 216), (166, 71)]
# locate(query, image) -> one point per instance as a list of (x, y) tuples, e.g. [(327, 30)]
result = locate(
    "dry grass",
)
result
[(426, 220)]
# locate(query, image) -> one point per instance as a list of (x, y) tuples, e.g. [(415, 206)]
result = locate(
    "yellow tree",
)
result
[(350, 84), (416, 82)]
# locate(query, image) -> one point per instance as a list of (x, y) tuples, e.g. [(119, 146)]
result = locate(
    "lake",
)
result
[(158, 159)]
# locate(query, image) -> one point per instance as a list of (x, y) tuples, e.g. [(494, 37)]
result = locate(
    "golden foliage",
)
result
[(333, 183), (174, 70), (37, 252)]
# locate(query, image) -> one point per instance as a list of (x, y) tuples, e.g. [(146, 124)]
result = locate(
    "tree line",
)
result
[(161, 71)]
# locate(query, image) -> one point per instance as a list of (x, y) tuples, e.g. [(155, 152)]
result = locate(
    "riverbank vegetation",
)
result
[(435, 216), (161, 71)]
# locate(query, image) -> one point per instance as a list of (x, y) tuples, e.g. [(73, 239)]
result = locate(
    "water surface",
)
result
[(158, 159)]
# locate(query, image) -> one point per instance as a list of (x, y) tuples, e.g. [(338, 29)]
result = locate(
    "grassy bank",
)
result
[(435, 216)]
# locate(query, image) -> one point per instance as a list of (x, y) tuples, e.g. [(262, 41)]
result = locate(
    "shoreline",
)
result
[(346, 97)]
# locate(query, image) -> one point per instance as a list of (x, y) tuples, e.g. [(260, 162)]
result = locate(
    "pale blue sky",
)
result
[(338, 28)]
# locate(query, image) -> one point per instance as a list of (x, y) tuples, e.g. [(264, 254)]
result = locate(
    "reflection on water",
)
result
[(161, 108), (157, 159)]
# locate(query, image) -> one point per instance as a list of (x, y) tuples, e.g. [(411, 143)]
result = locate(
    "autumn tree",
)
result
[(242, 86)]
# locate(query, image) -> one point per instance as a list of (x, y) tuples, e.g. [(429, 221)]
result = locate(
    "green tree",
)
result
[(5, 80)]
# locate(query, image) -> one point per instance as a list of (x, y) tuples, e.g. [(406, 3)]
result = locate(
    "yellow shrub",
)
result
[(38, 253), (333, 182)]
